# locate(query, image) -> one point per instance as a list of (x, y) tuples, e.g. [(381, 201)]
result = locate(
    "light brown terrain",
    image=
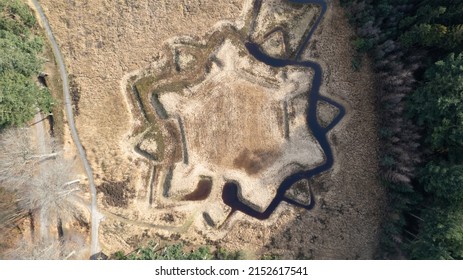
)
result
[(104, 40), (107, 45), (231, 125)]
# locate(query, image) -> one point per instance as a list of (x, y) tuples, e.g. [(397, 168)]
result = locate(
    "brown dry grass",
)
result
[(350, 201), (291, 18), (103, 41), (235, 115), (345, 222)]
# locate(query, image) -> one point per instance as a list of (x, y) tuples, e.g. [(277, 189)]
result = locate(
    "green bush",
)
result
[(356, 63), (437, 105), (153, 251), (421, 171), (19, 97), (20, 50), (363, 45)]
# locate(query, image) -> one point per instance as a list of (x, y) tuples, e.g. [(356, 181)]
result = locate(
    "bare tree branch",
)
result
[(53, 250), (42, 183), (18, 157)]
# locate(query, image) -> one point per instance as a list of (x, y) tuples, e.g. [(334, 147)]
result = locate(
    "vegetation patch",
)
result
[(154, 251), (417, 47), (116, 193), (20, 49), (75, 94)]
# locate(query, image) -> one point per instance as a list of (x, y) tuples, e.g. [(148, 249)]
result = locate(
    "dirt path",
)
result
[(96, 216), (175, 229), (42, 150)]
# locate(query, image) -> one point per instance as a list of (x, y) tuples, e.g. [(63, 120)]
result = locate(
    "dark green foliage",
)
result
[(16, 17), (434, 24), (431, 24), (19, 55), (437, 105), (376, 21), (173, 252), (270, 257), (419, 119), (222, 254), (441, 234), (19, 97), (444, 181), (177, 252), (356, 63), (119, 255), (20, 60), (363, 44)]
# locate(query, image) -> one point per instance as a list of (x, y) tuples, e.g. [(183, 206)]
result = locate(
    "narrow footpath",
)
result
[(95, 215)]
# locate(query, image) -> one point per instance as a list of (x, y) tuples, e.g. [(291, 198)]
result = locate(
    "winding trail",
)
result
[(95, 215), (177, 229)]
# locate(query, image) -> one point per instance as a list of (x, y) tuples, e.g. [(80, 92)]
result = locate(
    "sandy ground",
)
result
[(103, 42), (233, 123), (349, 201), (345, 223)]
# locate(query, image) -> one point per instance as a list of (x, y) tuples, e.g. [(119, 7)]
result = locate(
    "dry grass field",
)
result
[(227, 124)]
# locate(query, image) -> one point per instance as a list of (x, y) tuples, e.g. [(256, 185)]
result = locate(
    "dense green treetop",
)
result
[(417, 46), (153, 251), (437, 105), (444, 181), (436, 24), (20, 61), (18, 98), (20, 55), (440, 236)]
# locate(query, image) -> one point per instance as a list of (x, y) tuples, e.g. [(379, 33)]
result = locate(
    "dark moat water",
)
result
[(202, 191), (230, 193)]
